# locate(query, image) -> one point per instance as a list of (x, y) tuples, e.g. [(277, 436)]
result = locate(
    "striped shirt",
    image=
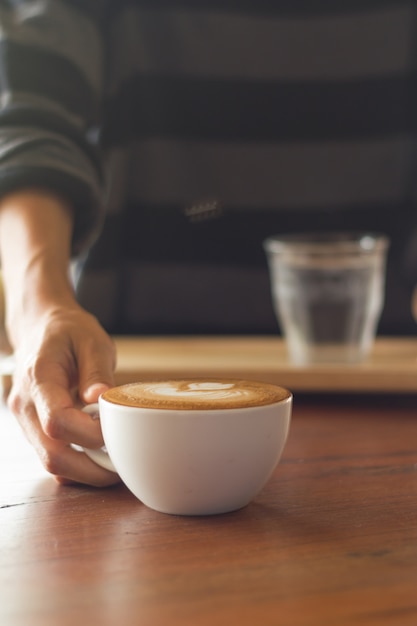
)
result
[(184, 132)]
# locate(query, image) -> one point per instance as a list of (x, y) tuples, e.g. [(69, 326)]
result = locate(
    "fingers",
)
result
[(43, 394), (61, 421), (70, 466), (44, 397), (92, 392), (57, 456), (96, 363)]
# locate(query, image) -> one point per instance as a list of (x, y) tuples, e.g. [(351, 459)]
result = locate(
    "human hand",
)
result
[(64, 359)]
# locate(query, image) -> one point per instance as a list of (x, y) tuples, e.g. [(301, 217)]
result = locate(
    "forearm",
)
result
[(35, 243), (44, 127)]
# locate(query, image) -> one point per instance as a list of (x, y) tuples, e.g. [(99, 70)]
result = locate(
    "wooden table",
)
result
[(330, 541), (390, 368)]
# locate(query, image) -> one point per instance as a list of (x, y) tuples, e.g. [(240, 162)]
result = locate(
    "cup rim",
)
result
[(196, 404), (327, 242), (288, 398)]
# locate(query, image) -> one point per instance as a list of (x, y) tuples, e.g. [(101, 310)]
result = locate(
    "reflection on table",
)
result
[(331, 540)]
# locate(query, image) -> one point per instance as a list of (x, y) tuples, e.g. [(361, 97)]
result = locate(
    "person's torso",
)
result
[(226, 122)]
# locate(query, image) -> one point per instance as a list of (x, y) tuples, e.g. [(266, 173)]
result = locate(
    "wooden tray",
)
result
[(391, 368)]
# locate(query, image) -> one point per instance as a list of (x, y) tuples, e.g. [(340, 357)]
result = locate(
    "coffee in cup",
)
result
[(193, 446), (196, 394)]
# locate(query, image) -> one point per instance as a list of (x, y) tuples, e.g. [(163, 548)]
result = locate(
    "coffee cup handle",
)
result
[(99, 455)]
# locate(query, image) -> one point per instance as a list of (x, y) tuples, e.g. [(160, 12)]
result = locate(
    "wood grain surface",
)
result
[(330, 541)]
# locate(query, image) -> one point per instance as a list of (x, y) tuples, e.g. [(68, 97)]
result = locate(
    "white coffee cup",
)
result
[(193, 447)]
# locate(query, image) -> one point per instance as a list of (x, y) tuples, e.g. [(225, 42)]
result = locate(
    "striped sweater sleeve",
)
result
[(50, 87)]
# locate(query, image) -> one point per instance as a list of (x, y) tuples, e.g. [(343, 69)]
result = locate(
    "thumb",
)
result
[(91, 393), (96, 372)]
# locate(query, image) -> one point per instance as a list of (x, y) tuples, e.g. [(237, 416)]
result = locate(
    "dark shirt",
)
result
[(185, 132)]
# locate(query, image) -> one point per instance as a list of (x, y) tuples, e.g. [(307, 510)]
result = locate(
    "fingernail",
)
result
[(93, 392)]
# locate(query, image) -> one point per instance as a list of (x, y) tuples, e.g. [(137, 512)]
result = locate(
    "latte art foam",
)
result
[(196, 394), (212, 391)]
